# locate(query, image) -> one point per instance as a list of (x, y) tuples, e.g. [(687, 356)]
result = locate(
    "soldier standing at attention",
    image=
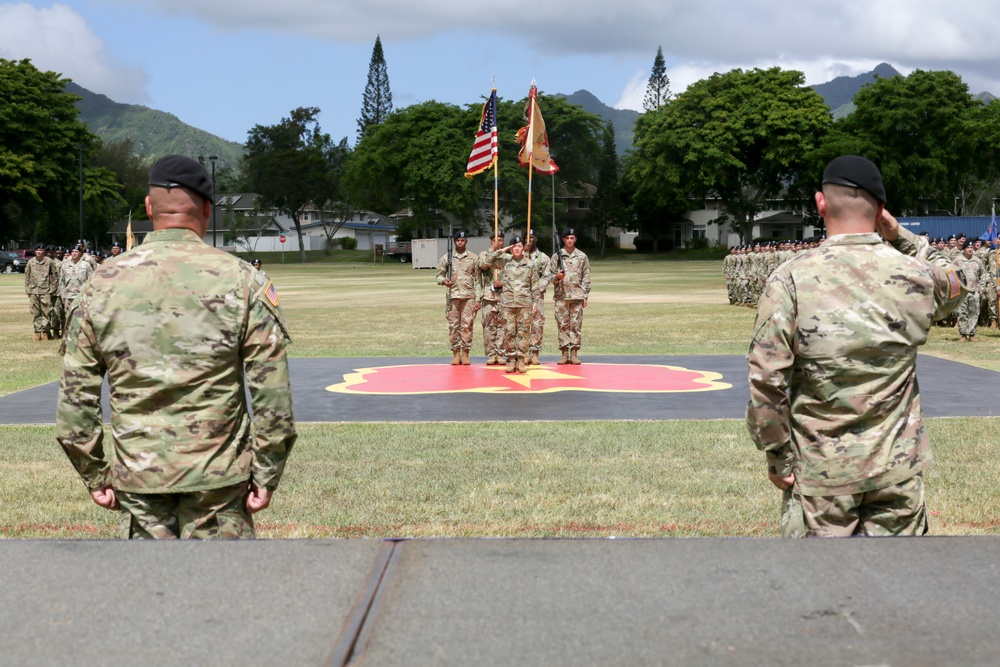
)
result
[(569, 270), (73, 275), (541, 262), (183, 331), (968, 309), (834, 400), (493, 338), (56, 313), (464, 293), (520, 299), (40, 278)]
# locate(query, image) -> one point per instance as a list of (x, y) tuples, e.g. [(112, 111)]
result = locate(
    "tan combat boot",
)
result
[(534, 359), (573, 358), (465, 357), (564, 359), (457, 359), (38, 336), (512, 365), (491, 360)]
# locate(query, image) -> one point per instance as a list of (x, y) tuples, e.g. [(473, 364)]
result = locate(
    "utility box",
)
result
[(427, 252)]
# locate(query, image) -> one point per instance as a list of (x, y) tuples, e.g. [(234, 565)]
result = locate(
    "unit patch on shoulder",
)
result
[(271, 294), (954, 285)]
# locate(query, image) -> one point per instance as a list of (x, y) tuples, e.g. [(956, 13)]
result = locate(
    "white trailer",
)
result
[(427, 252)]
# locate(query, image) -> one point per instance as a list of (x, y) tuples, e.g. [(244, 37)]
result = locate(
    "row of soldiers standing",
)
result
[(746, 268), (981, 265), (52, 281), (508, 284)]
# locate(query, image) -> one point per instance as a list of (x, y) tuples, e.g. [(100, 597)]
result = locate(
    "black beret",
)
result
[(855, 171), (517, 239), (173, 171), (116, 244), (569, 231), (40, 246), (255, 261), (532, 233), (499, 234), (461, 235), (968, 244)]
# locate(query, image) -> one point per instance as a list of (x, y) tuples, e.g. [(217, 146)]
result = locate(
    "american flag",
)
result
[(484, 150)]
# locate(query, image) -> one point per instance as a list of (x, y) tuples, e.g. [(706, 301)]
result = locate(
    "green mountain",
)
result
[(622, 119), (154, 133)]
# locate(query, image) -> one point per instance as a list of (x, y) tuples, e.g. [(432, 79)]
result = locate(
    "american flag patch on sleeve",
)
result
[(271, 294), (954, 285)]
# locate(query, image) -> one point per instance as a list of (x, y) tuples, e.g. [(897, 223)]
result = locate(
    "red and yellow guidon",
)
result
[(446, 379)]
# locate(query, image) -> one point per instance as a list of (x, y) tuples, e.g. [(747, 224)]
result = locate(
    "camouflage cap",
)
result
[(855, 171), (176, 171)]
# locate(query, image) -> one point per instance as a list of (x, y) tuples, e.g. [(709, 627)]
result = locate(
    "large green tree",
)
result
[(921, 132), (742, 135), (288, 165), (658, 86), (376, 104), (607, 206), (41, 140)]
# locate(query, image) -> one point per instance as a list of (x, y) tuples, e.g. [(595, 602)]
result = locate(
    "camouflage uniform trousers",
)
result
[(517, 332), (218, 513), (460, 315), (40, 309), (569, 321), (57, 314), (968, 314), (493, 329), (537, 328), (894, 510)]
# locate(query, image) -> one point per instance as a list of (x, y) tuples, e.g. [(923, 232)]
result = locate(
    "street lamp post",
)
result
[(80, 147), (212, 159)]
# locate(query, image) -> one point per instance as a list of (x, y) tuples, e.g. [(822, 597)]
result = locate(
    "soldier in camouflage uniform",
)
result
[(40, 282), (519, 278), (834, 400), (572, 288), (183, 332), (56, 312), (968, 309), (541, 261), (464, 295), (493, 318), (73, 275)]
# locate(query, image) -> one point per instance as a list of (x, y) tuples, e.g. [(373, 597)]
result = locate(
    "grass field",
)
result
[(634, 478)]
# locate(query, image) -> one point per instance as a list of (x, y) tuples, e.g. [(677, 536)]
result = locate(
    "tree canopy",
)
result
[(289, 166), (743, 136), (658, 87)]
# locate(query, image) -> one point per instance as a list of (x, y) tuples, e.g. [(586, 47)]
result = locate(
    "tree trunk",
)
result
[(298, 232)]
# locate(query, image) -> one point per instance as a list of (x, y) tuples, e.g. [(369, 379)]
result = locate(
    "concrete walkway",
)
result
[(905, 602)]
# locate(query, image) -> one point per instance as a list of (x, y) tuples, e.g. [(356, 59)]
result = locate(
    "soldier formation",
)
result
[(746, 268), (52, 281), (508, 284)]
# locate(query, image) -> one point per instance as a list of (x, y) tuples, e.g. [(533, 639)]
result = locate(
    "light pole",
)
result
[(80, 147), (212, 159)]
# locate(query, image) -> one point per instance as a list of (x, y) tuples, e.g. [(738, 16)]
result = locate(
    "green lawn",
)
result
[(649, 478)]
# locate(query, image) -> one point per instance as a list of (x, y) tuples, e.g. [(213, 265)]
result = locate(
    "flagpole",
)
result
[(531, 158), (496, 198)]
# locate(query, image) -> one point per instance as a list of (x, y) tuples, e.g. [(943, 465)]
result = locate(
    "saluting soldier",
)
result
[(520, 298), (493, 319), (464, 293)]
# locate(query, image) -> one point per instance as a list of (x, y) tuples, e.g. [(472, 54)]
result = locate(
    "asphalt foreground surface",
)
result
[(675, 601), (947, 389)]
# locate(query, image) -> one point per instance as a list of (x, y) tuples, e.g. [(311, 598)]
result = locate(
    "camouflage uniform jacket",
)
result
[(178, 327), (40, 276), (575, 285), (465, 283), (72, 277), (520, 279), (833, 387), (486, 275), (975, 273), (541, 261)]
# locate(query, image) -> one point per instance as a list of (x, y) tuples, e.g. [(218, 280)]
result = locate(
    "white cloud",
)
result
[(58, 39)]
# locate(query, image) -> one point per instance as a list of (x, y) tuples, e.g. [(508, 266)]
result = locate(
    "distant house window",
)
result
[(583, 203), (698, 234)]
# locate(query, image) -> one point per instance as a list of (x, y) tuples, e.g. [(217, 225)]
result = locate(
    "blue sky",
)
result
[(226, 65)]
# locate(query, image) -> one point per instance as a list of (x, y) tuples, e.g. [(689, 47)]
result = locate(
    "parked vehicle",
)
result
[(401, 250), (7, 258), (19, 261)]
